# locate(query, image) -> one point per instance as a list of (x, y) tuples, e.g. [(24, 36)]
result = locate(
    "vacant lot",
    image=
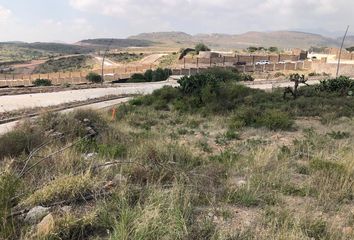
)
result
[(65, 64), (211, 159)]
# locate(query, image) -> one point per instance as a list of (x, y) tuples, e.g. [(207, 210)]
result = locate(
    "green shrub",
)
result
[(8, 188), (137, 77), (246, 77), (201, 47), (18, 141), (343, 85), (94, 77), (42, 82), (339, 135), (315, 229), (225, 74), (152, 75), (243, 197), (275, 120)]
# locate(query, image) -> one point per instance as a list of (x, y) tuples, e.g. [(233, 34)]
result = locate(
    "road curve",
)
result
[(4, 128), (18, 102)]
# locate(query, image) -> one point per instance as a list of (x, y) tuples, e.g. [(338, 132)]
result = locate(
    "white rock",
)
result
[(36, 214)]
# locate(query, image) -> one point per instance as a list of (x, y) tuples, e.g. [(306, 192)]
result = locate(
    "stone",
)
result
[(46, 226), (119, 179), (36, 214), (347, 230), (241, 183), (90, 156), (66, 209)]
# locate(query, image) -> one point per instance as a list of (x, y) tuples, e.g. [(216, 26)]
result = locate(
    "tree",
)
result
[(201, 47), (350, 49), (273, 49), (252, 49), (297, 79), (94, 77)]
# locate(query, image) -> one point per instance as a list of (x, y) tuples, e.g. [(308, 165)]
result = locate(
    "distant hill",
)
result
[(282, 39), (166, 38), (58, 48), (116, 43)]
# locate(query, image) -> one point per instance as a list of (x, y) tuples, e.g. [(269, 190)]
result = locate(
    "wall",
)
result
[(70, 77), (345, 69)]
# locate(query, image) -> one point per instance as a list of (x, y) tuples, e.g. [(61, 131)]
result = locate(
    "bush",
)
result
[(224, 74), (21, 140), (246, 77), (94, 77), (201, 47), (275, 120), (152, 76), (343, 85), (137, 77), (42, 82)]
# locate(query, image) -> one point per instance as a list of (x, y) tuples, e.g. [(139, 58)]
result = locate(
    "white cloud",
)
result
[(5, 14), (223, 15)]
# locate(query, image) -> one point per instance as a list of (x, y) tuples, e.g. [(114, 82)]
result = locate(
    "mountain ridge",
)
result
[(282, 39)]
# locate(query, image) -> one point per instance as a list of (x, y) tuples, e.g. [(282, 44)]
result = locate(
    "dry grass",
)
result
[(186, 176)]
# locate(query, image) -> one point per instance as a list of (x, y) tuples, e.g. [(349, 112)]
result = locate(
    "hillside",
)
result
[(282, 39), (116, 43), (208, 160), (167, 38), (73, 63), (21, 51)]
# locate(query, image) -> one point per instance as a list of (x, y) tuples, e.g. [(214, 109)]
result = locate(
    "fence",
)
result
[(58, 78), (187, 66), (230, 61), (193, 67)]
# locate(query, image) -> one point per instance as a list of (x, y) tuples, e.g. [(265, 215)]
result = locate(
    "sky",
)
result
[(72, 20)]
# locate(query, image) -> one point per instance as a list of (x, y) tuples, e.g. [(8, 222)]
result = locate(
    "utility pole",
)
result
[(340, 52), (104, 58)]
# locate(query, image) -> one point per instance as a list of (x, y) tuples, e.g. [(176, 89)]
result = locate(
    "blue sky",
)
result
[(73, 20)]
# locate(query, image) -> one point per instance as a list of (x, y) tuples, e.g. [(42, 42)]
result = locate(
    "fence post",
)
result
[(184, 62), (253, 59), (223, 61), (197, 62), (210, 61)]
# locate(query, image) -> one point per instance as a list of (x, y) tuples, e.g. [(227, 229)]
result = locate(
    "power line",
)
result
[(104, 58), (340, 52)]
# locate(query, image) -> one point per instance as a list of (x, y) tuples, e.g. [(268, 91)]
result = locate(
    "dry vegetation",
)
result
[(161, 170)]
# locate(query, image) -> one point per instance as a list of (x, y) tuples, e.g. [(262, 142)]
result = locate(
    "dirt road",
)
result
[(4, 128), (18, 102), (153, 58)]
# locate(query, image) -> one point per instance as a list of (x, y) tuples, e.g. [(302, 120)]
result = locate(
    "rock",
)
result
[(66, 209), (241, 183), (90, 156), (36, 214), (347, 231), (46, 226), (119, 179)]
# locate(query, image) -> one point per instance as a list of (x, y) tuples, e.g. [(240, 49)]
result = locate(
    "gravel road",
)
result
[(18, 102)]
